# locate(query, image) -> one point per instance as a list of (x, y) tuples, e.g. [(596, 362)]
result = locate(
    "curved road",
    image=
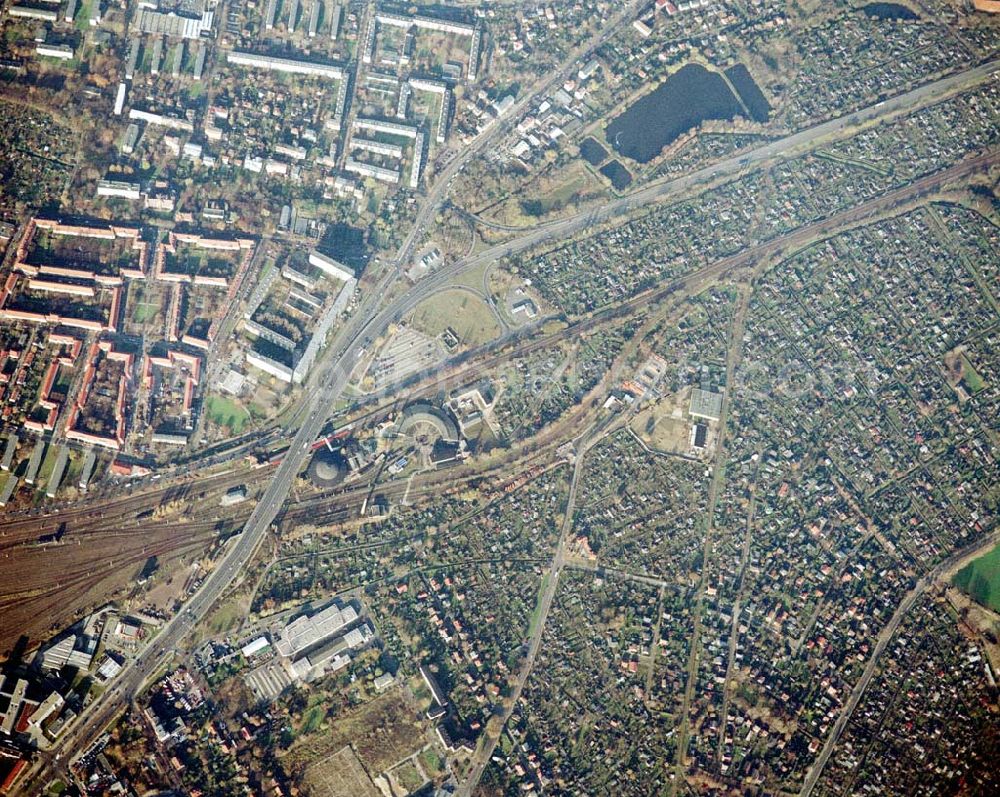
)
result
[(350, 343)]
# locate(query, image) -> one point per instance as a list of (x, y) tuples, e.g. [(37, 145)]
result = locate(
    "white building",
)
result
[(335, 17), (306, 631), (289, 151), (181, 26), (418, 161), (119, 188), (269, 366), (390, 176), (61, 51), (289, 65), (427, 23), (109, 669), (428, 84), (173, 122), (444, 118), (314, 18), (28, 12), (330, 266), (382, 126), (255, 647), (477, 40), (120, 99), (168, 439), (378, 147)]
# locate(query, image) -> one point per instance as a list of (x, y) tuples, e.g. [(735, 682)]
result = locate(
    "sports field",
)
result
[(980, 579)]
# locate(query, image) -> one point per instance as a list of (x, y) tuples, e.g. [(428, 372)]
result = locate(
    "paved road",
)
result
[(888, 632), (481, 758), (443, 179), (356, 336), (320, 396), (445, 174), (793, 144)]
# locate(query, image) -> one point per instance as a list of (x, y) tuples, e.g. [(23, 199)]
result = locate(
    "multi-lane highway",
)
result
[(447, 171), (443, 179), (320, 396), (374, 315)]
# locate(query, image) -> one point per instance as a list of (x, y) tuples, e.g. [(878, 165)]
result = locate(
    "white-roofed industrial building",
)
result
[(305, 631), (255, 647)]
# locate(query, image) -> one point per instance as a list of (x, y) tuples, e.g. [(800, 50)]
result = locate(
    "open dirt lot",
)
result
[(467, 314), (340, 775), (382, 732)]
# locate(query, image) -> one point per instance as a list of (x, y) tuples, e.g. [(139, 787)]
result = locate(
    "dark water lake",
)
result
[(592, 151), (617, 174), (749, 92), (684, 100), (888, 11)]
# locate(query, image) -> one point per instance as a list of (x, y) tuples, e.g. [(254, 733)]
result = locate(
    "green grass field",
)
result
[(432, 763), (536, 613), (980, 579), (145, 311), (467, 314), (226, 412), (408, 777), (48, 465), (225, 617), (313, 718), (82, 20), (973, 380)]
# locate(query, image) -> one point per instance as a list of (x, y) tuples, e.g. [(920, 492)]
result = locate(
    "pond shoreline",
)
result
[(689, 97)]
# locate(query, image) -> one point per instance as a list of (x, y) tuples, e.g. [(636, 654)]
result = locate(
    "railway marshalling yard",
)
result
[(658, 489)]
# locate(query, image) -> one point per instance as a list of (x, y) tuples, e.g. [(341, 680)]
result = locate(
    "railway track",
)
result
[(104, 512), (98, 523)]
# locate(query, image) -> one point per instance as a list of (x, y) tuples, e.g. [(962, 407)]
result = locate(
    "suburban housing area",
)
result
[(499, 398)]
